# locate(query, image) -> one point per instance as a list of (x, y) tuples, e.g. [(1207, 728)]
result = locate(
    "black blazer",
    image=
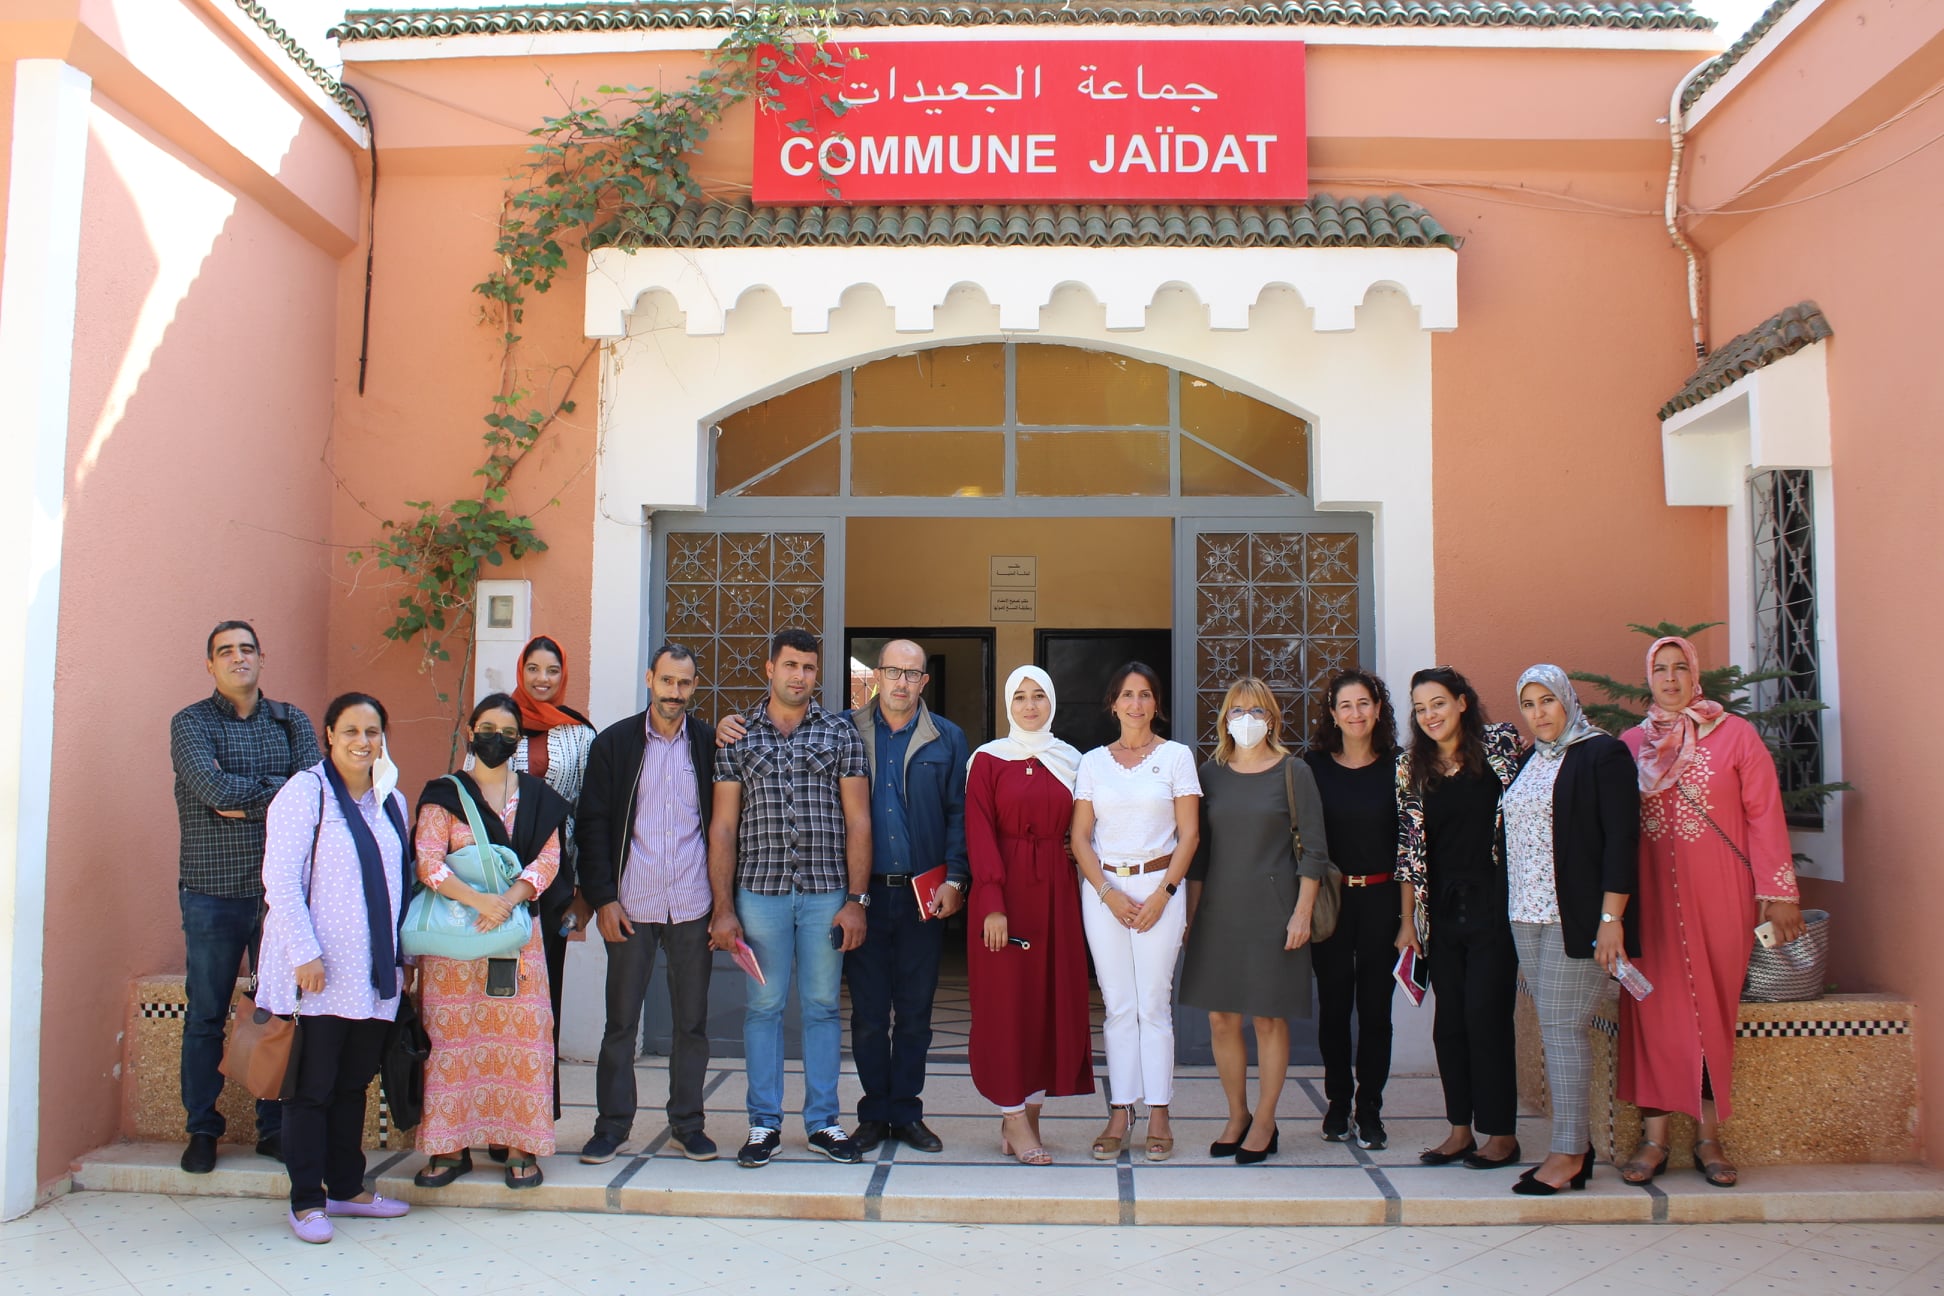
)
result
[(1596, 839), (604, 823)]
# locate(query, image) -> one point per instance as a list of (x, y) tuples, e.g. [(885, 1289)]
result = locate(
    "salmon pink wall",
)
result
[(1552, 530), (201, 404), (1855, 240)]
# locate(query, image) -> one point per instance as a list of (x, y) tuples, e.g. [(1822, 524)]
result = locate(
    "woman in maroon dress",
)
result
[(1026, 955)]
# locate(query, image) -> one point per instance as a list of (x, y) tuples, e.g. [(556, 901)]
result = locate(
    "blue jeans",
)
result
[(783, 931), (216, 932)]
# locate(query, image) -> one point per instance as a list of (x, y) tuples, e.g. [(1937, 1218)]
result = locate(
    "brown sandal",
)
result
[(1635, 1169), (1720, 1172), (1108, 1146)]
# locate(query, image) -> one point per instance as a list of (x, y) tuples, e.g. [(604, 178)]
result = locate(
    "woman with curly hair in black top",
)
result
[(1449, 854)]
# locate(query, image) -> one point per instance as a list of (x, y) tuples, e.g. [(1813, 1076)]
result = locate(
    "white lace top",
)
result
[(1134, 818), (1532, 891)]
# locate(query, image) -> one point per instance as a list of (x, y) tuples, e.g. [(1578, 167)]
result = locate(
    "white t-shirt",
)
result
[(1134, 818)]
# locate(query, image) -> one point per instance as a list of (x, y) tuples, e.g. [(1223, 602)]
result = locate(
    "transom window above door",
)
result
[(1011, 420)]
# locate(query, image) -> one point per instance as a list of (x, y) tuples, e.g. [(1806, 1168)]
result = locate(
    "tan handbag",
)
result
[(1329, 894), (261, 1052), (262, 1049)]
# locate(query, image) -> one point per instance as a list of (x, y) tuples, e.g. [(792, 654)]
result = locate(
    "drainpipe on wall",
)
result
[(1677, 137)]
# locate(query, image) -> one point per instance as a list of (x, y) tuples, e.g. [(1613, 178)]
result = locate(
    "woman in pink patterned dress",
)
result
[(1714, 862), (489, 1080)]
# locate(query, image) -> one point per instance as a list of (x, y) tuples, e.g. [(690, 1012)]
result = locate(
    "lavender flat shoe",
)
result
[(313, 1227), (379, 1207)]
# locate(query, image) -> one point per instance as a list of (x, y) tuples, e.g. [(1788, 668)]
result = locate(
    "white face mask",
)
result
[(1248, 730), (384, 774)]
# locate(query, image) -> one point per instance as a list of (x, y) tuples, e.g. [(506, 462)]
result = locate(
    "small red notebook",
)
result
[(925, 887), (746, 960), (1410, 974)]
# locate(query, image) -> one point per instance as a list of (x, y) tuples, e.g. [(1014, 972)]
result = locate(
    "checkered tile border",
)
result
[(1820, 1029)]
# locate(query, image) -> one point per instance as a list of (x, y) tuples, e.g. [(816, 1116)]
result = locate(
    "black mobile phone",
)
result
[(836, 937), (502, 977)]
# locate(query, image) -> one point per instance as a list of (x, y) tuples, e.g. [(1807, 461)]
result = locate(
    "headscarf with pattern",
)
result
[(1669, 737), (1578, 727)]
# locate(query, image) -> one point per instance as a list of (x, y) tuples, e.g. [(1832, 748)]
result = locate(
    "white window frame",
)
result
[(1775, 417)]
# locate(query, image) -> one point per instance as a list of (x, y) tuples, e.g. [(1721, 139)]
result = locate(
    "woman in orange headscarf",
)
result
[(554, 741), (1714, 861)]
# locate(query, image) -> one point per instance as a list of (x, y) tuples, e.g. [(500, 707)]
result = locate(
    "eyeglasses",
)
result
[(1260, 713), (892, 674)]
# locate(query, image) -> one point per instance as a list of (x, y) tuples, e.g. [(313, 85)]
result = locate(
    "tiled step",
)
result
[(969, 1184)]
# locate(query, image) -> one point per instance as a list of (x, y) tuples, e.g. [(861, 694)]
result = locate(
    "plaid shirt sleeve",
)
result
[(851, 760), (192, 751)]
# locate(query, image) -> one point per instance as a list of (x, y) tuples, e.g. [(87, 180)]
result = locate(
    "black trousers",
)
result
[(1353, 970), (631, 961), (554, 945), (1474, 973), (323, 1122), (893, 976)]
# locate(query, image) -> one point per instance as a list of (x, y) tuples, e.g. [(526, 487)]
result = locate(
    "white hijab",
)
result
[(1027, 744)]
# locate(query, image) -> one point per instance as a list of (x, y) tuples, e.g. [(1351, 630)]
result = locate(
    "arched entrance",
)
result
[(1043, 492)]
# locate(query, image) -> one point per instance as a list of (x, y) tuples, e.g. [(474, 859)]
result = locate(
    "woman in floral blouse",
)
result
[(1448, 787)]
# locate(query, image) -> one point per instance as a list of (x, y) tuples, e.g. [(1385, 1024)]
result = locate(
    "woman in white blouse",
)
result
[(1136, 817)]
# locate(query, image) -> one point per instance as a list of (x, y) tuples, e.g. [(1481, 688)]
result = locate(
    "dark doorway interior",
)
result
[(1080, 662), (959, 660)]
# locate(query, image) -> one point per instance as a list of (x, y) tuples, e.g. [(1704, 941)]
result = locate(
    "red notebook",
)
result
[(746, 960), (1411, 974), (925, 887)]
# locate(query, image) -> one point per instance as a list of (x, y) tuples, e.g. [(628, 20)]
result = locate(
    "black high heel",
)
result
[(1531, 1185), (1243, 1156), (1221, 1149)]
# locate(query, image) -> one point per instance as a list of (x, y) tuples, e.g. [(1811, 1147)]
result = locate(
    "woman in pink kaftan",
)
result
[(1714, 861)]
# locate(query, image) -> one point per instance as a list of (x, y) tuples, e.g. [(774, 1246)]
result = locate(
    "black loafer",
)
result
[(916, 1136), (1477, 1162), (439, 1176), (869, 1134), (200, 1156), (1431, 1156), (271, 1145)]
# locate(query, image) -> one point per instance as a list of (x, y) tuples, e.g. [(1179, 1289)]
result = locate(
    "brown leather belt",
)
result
[(1367, 879), (1154, 865)]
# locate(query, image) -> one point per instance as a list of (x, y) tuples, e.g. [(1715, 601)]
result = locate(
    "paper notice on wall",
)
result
[(1013, 605)]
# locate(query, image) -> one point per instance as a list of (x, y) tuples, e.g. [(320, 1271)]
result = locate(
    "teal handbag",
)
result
[(445, 928)]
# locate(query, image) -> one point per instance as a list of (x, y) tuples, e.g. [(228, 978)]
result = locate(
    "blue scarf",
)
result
[(371, 864)]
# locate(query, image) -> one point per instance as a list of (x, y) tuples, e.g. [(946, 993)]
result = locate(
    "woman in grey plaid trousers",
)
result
[(1572, 836)]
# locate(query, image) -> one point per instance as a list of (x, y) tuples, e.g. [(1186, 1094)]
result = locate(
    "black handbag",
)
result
[(402, 1071)]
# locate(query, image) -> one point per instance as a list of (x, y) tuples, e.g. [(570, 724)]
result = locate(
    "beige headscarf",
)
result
[(1059, 757)]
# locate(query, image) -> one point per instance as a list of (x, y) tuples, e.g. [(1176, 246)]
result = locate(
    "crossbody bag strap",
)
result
[(1688, 795), (1289, 790), (473, 821)]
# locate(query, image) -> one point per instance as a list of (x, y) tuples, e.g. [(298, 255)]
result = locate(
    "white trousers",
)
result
[(1136, 971)]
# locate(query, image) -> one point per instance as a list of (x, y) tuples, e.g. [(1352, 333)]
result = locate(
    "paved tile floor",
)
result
[(91, 1242)]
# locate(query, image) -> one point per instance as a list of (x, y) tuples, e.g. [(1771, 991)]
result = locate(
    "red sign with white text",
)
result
[(1041, 121)]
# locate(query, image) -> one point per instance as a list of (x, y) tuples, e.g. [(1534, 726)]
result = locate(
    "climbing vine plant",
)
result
[(610, 172)]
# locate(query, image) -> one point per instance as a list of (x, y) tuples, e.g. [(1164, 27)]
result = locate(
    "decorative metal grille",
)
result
[(1783, 510), (727, 593), (1284, 606)]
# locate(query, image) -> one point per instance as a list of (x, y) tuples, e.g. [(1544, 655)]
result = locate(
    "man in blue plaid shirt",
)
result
[(232, 751), (790, 870)]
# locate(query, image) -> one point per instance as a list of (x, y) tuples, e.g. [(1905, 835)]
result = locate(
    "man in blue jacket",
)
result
[(918, 765)]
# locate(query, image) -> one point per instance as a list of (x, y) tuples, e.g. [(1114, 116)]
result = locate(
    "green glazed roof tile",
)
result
[(1323, 221), (1734, 53), (1780, 335), (1655, 15)]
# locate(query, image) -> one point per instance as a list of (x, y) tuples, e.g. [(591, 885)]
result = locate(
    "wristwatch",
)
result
[(956, 885), (860, 898), (1607, 918), (1171, 886)]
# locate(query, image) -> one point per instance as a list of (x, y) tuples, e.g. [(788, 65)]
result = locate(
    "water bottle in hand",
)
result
[(1632, 979)]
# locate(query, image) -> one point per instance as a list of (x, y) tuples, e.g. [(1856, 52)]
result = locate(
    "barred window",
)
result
[(1783, 510)]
